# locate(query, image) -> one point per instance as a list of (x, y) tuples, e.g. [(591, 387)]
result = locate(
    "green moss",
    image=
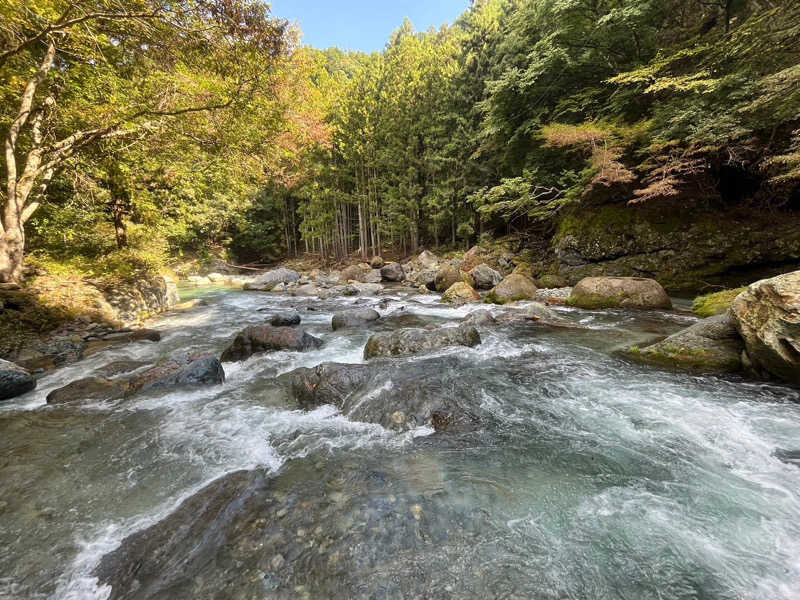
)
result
[(715, 304), (593, 302)]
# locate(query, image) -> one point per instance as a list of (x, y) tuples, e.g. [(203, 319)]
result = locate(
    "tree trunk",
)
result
[(12, 246), (120, 229)]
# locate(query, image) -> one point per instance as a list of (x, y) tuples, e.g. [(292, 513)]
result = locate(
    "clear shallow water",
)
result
[(588, 477)]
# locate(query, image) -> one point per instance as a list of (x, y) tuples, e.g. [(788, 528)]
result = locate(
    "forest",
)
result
[(139, 133)]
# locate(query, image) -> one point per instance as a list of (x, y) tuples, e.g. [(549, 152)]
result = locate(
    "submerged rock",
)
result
[(767, 316), (266, 338), (137, 335), (712, 345), (512, 288), (90, 388), (356, 317), (154, 562), (14, 380), (405, 342), (460, 293), (394, 398), (120, 367), (619, 292)]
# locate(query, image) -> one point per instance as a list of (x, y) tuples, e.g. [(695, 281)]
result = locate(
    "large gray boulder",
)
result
[(406, 342), (373, 276), (619, 292), (357, 317), (188, 370), (393, 272), (268, 281), (485, 277), (767, 316), (266, 338), (712, 345), (512, 288), (14, 380)]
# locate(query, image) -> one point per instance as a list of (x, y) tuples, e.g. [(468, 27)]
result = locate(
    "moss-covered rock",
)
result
[(512, 288), (460, 293), (619, 292), (716, 303), (552, 281), (713, 345)]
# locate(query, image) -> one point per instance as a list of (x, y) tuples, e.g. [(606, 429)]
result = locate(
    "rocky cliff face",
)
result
[(685, 248)]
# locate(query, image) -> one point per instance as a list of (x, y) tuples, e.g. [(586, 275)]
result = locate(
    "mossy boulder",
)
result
[(715, 304), (551, 281), (619, 292), (460, 293), (512, 288), (713, 345)]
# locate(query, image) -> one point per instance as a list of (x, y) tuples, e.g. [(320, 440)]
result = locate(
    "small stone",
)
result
[(399, 417), (277, 562), (416, 511)]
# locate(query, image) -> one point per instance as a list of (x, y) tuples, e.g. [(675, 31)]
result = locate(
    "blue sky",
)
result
[(363, 24)]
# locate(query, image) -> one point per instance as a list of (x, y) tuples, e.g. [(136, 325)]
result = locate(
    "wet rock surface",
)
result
[(712, 345), (266, 338), (357, 317), (14, 380), (187, 370), (406, 342)]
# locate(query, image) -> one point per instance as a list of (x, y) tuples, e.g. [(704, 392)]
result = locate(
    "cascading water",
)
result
[(585, 477)]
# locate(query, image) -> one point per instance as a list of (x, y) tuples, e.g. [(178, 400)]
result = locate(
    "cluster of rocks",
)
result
[(759, 336)]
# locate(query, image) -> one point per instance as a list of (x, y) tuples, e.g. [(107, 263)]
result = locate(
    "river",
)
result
[(588, 477)]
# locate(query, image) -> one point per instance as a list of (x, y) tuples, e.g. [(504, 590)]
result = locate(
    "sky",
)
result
[(363, 24)]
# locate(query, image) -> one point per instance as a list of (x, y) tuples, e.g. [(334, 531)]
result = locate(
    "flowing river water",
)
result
[(588, 477)]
